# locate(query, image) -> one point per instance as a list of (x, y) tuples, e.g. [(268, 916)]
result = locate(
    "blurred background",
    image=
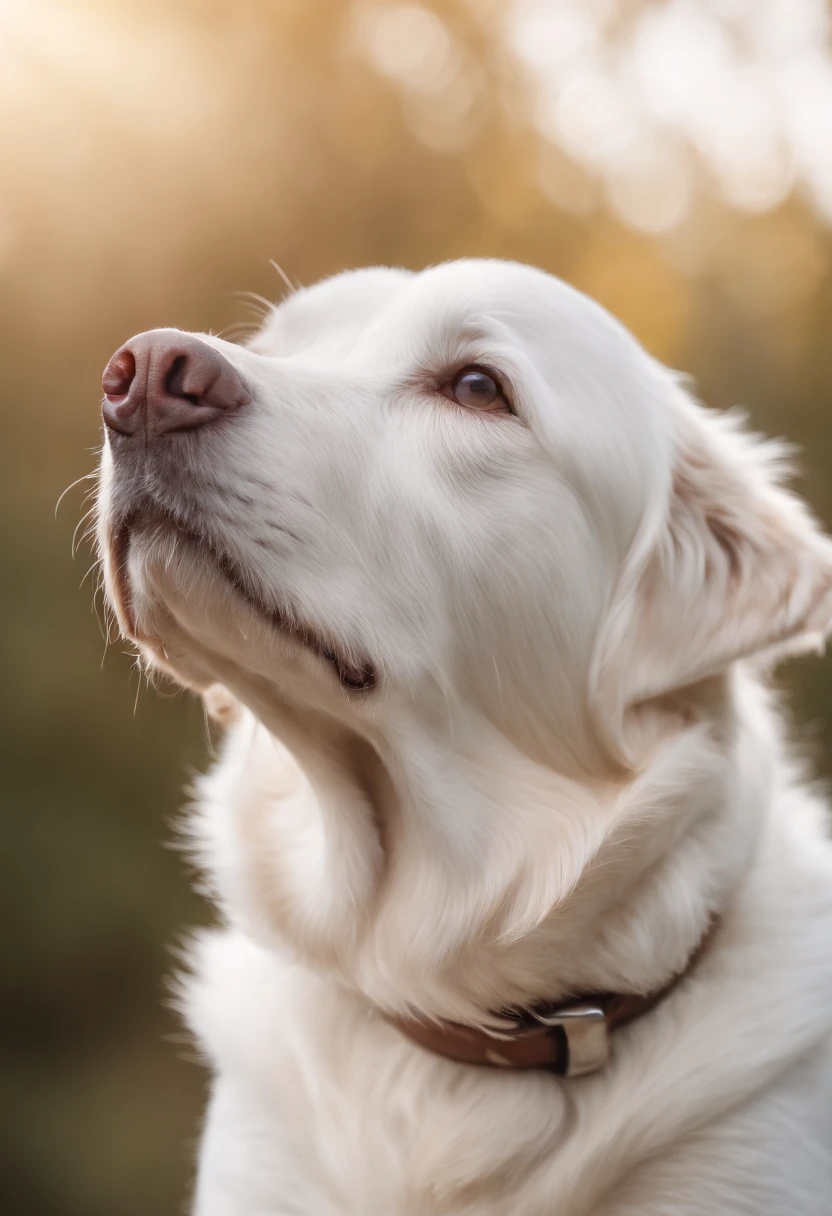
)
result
[(672, 158)]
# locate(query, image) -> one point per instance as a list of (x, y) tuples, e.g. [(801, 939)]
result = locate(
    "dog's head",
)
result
[(468, 486)]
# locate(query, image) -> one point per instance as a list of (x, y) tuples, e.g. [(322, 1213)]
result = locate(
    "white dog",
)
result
[(486, 598)]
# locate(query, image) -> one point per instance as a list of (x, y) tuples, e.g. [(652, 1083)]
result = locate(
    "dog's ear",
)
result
[(733, 567)]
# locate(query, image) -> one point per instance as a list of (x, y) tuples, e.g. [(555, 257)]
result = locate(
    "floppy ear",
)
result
[(733, 567)]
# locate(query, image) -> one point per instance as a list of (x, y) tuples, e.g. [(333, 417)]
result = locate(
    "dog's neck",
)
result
[(455, 876)]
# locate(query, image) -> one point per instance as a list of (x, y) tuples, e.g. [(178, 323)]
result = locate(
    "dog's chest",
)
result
[(320, 1108)]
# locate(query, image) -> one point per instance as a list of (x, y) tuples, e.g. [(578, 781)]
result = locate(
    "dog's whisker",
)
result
[(81, 522), (209, 739), (238, 331), (71, 486), (291, 287), (90, 569), (260, 304)]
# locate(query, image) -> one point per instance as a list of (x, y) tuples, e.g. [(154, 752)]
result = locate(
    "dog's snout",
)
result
[(165, 381), (119, 374)]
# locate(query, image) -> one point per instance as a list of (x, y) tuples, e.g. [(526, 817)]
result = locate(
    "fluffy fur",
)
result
[(568, 763)]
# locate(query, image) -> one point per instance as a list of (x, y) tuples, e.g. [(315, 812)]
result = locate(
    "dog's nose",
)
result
[(164, 381)]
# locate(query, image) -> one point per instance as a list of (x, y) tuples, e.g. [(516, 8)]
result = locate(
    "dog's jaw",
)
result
[(355, 674)]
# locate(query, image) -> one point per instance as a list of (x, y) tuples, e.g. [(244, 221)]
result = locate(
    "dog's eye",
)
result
[(476, 389)]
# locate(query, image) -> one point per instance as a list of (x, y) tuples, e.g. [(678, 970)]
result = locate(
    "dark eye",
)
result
[(476, 389)]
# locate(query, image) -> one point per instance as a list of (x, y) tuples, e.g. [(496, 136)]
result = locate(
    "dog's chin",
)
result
[(161, 534)]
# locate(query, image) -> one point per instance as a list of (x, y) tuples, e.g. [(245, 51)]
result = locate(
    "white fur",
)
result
[(570, 761)]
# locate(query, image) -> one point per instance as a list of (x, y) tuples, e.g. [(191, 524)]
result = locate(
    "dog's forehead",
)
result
[(327, 319), (471, 298), (393, 317)]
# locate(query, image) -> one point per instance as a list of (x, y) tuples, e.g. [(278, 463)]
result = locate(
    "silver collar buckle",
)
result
[(587, 1037)]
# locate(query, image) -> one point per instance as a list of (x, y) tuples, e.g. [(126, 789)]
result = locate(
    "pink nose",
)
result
[(164, 381)]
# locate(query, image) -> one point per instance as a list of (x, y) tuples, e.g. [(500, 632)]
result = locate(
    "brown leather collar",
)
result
[(568, 1038)]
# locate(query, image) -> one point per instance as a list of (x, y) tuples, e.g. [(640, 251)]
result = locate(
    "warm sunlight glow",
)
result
[(745, 88), (670, 119)]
